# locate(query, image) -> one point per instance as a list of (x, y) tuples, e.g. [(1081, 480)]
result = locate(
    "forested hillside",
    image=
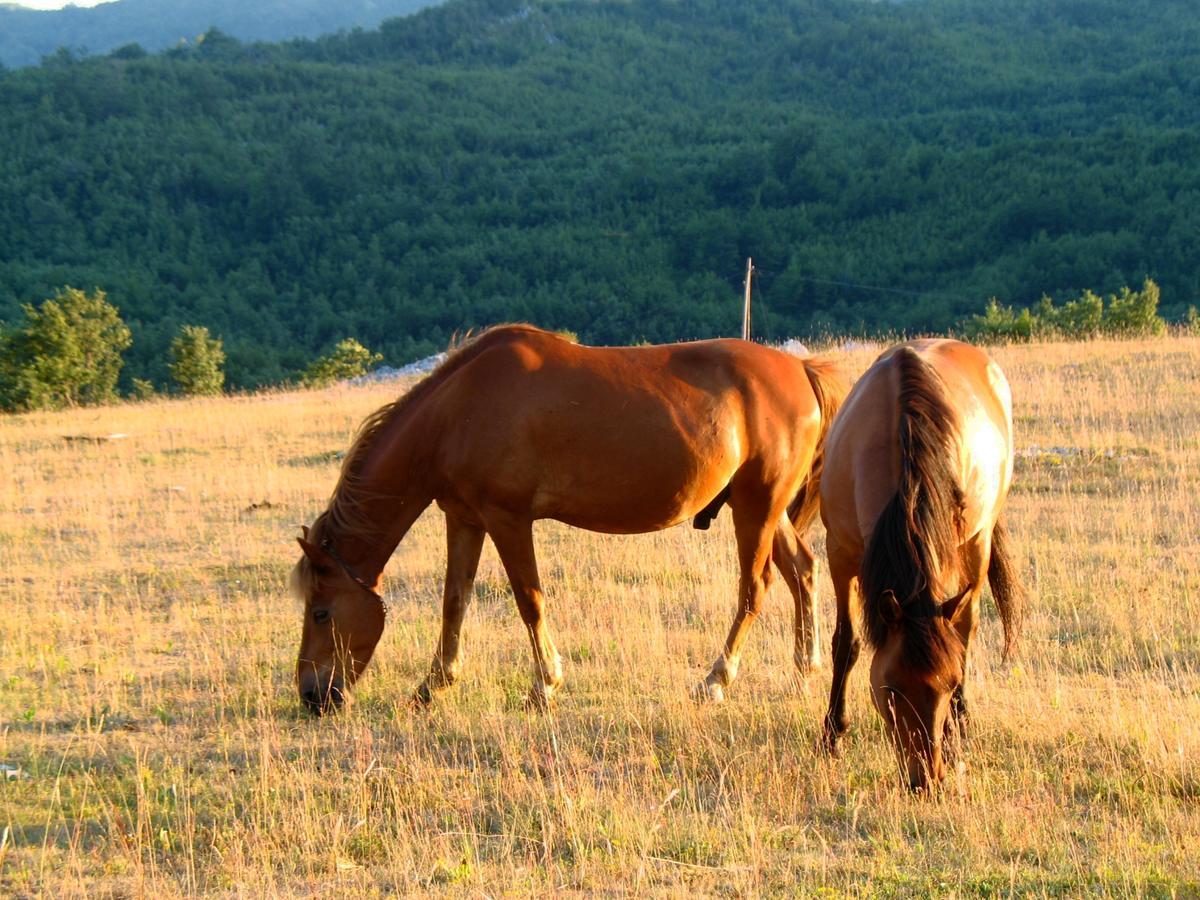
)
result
[(27, 35), (607, 167)]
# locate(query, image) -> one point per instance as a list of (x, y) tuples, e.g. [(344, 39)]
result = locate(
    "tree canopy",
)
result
[(197, 362), (67, 352), (607, 167)]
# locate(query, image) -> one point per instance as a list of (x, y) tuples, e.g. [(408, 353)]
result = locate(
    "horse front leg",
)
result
[(977, 558), (845, 650), (464, 543), (514, 543)]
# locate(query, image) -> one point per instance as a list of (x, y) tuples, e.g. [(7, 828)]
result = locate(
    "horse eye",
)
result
[(320, 616)]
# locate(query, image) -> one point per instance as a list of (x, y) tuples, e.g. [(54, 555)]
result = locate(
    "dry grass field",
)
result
[(147, 645)]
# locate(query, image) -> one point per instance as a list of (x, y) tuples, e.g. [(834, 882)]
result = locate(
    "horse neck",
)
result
[(390, 491)]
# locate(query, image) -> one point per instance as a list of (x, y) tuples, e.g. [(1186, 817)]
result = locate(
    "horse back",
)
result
[(618, 438), (862, 469)]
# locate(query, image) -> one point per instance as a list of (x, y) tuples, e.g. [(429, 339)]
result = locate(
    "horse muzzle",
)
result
[(321, 696), (926, 772)]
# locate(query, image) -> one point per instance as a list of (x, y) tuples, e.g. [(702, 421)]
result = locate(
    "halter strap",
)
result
[(327, 546)]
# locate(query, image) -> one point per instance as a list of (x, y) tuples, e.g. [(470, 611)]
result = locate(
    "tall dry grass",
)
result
[(147, 645)]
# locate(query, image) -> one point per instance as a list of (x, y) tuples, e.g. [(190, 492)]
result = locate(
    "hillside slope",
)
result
[(26, 36), (607, 167)]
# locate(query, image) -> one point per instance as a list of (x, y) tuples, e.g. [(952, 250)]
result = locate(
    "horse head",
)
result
[(343, 621), (915, 673)]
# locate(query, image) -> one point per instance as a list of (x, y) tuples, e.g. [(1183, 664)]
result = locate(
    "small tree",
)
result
[(143, 389), (1078, 318), (67, 353), (349, 359), (1000, 323), (197, 362), (1135, 312)]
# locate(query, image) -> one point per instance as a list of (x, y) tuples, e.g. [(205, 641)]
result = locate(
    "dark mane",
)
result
[(345, 515), (917, 537)]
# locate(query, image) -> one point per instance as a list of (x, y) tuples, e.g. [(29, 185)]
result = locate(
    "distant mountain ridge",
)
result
[(28, 35)]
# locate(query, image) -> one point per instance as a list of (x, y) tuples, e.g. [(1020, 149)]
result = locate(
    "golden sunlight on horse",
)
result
[(520, 424), (918, 466)]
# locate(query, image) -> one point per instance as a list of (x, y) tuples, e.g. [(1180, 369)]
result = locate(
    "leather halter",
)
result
[(327, 546)]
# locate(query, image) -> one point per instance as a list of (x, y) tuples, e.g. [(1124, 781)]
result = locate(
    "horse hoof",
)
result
[(538, 698), (832, 745), (806, 665), (708, 693), (422, 696)]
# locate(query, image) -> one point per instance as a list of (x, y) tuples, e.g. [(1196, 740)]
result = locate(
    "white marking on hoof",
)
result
[(708, 692), (539, 696), (807, 662), (441, 675)]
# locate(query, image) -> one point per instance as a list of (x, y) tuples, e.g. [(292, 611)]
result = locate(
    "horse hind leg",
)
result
[(795, 561), (514, 544), (464, 543), (755, 529)]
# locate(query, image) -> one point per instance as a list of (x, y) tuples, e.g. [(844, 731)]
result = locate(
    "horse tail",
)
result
[(830, 386), (1007, 591), (916, 539)]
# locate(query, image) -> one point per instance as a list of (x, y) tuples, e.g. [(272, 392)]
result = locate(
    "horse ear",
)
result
[(319, 559), (892, 613), (954, 607), (304, 530), (312, 551)]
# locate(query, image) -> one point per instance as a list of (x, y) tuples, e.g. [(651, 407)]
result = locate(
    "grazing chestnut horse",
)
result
[(918, 464), (520, 424)]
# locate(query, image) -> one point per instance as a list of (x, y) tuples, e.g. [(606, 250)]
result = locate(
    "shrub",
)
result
[(197, 362), (1001, 323), (349, 359), (1080, 318), (1135, 312), (143, 390), (67, 353), (1127, 313)]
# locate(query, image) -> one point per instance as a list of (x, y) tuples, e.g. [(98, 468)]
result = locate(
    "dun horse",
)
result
[(519, 424), (917, 467)]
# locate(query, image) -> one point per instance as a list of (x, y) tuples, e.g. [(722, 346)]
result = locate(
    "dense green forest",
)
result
[(607, 167)]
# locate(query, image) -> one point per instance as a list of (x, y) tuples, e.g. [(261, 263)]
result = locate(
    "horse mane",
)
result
[(345, 515), (917, 537)]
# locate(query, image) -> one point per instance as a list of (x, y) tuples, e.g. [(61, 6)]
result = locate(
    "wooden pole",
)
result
[(746, 307)]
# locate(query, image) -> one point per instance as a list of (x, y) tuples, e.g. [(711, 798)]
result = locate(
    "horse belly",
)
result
[(632, 487)]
